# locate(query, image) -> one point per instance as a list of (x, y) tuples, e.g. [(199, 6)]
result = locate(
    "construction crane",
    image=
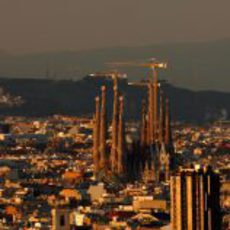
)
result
[(153, 64), (109, 74), (153, 85)]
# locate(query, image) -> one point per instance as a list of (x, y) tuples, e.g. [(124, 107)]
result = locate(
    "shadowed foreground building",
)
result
[(195, 199)]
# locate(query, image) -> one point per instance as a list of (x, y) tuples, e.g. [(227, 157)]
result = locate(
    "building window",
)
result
[(62, 220)]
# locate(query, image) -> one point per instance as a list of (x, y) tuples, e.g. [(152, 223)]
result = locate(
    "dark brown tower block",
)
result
[(195, 199)]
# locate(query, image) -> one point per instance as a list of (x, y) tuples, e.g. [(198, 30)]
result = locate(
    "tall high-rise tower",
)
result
[(195, 199)]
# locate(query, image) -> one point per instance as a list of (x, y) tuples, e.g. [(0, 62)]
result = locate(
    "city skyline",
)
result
[(114, 115)]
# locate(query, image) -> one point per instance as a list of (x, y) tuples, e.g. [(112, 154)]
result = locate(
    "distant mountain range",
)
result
[(48, 97), (200, 65)]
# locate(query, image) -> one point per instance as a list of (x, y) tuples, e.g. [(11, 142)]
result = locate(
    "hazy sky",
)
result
[(43, 25)]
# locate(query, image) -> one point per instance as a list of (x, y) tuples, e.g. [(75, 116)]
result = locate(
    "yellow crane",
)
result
[(109, 74), (153, 64), (153, 85)]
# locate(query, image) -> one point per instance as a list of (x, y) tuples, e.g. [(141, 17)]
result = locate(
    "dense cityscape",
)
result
[(114, 115), (103, 171)]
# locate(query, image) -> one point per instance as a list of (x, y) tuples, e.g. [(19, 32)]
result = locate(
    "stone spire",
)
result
[(113, 154), (121, 138), (161, 118), (165, 158), (168, 137), (143, 135), (103, 129), (96, 135), (143, 125), (155, 103), (151, 113)]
